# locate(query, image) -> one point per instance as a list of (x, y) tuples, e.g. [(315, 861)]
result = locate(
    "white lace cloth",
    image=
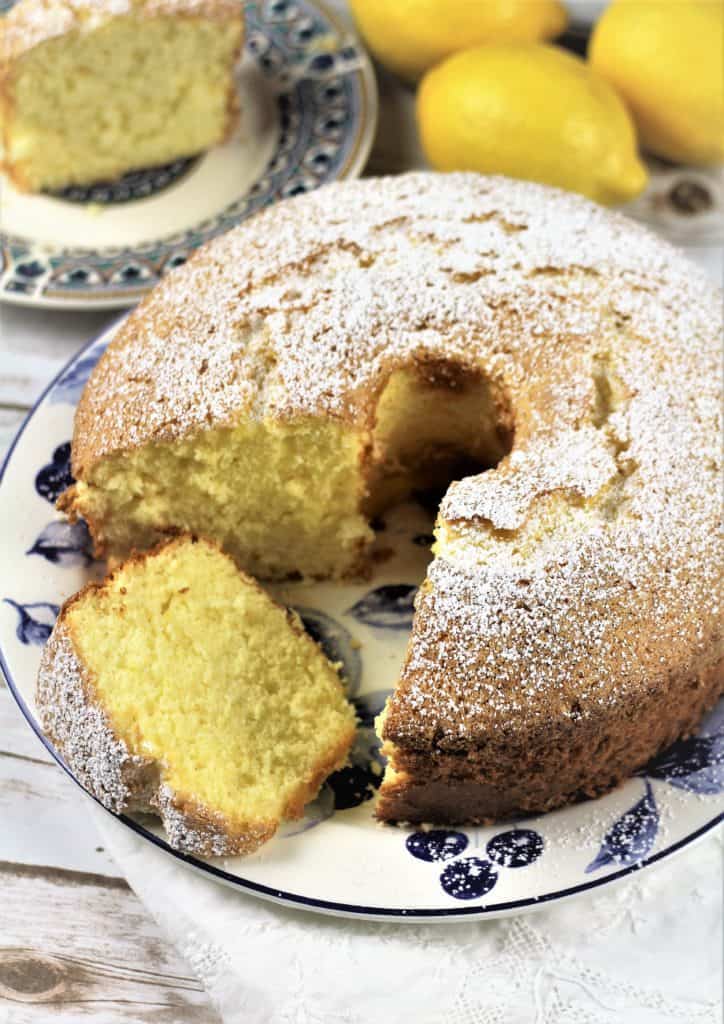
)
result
[(644, 951)]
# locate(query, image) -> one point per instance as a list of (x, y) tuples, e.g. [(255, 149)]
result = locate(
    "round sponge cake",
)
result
[(558, 363)]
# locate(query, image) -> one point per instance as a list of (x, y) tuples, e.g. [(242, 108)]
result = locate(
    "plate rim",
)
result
[(279, 896), (362, 146)]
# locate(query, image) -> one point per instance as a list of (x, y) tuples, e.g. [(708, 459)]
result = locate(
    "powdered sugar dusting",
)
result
[(308, 305), (120, 780), (78, 727), (207, 834), (31, 22), (576, 461), (606, 342)]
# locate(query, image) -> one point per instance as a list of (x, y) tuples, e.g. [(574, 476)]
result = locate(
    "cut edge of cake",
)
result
[(122, 777), (74, 122)]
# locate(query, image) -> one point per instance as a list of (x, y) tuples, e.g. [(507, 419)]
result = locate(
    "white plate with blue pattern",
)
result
[(338, 859), (308, 114)]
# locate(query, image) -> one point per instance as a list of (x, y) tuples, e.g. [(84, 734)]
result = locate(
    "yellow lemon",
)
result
[(666, 59), (409, 36), (534, 112)]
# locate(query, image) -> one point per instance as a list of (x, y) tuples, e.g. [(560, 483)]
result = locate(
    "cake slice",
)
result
[(92, 89), (177, 686)]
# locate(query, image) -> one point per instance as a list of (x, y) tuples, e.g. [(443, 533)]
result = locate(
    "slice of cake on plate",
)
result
[(178, 686), (92, 89)]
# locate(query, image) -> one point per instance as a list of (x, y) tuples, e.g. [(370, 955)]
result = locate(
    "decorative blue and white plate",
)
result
[(338, 859), (308, 113)]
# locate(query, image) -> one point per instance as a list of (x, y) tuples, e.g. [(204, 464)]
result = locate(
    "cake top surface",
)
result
[(302, 308), (30, 22), (591, 553)]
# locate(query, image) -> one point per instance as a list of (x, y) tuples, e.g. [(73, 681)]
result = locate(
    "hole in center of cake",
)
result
[(435, 423), (294, 498)]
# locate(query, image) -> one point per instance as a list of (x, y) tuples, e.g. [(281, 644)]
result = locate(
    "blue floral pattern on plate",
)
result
[(516, 848), (472, 877), (66, 544), (388, 607), (358, 781), (134, 185), (55, 476), (35, 621), (436, 844), (631, 836), (468, 878), (695, 765), (70, 386)]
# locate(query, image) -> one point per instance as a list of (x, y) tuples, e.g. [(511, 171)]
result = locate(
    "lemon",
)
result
[(666, 59), (530, 111), (409, 36)]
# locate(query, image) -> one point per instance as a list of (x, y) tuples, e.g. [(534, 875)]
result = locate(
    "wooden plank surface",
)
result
[(76, 944), (34, 790)]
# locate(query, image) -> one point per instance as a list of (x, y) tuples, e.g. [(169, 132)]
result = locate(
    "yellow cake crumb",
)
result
[(120, 87)]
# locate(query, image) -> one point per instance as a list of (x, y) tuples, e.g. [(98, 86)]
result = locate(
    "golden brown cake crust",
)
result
[(585, 568), (75, 721), (559, 763)]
